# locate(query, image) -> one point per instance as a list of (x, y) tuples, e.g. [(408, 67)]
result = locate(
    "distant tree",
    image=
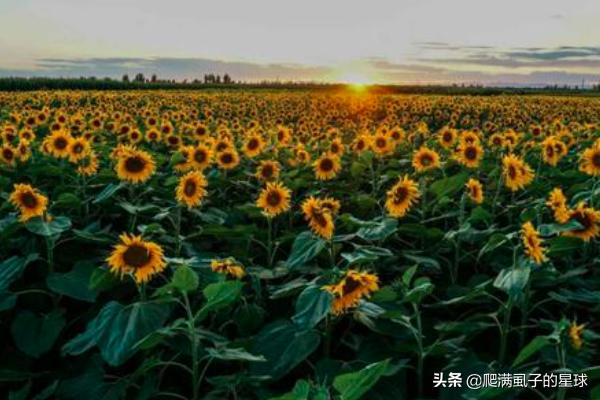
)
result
[(139, 77), (153, 79), (226, 79), (218, 80), (125, 78)]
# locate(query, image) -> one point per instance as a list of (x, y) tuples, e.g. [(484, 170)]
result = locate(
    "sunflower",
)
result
[(78, 149), (28, 200), (88, 165), (575, 333), (8, 154), (228, 267), (496, 140), (58, 144), (253, 146), (153, 135), (469, 155), (425, 159), (336, 147), (319, 217), (191, 189), (138, 257), (23, 151), (517, 173), (381, 144), (401, 197), (475, 191), (360, 144), (353, 287), (469, 137), (327, 167), (532, 243), (447, 137), (589, 219), (201, 157), (274, 199), (228, 159), (268, 170), (558, 203), (590, 161), (135, 166)]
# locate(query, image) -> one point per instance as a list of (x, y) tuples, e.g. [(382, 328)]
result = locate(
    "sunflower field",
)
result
[(296, 245)]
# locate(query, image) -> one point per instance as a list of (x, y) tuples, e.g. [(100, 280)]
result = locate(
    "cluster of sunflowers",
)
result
[(323, 159)]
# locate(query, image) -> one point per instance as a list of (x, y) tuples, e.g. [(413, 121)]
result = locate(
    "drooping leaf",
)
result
[(306, 246), (312, 306), (35, 334), (353, 385), (54, 227), (12, 268), (117, 328), (75, 283)]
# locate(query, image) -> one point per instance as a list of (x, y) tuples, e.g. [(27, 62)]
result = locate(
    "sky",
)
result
[(488, 42)]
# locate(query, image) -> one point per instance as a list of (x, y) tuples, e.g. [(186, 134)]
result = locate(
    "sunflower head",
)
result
[(401, 197), (274, 199), (228, 267), (135, 256), (327, 166), (425, 159), (475, 191), (590, 161), (575, 334), (588, 218), (133, 165), (532, 243), (268, 170), (29, 201), (351, 289), (191, 189)]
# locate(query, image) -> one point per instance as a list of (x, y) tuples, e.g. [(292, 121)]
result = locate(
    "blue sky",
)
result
[(400, 41)]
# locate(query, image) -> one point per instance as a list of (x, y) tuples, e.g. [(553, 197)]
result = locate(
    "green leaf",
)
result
[(301, 391), (563, 245), (553, 229), (306, 247), (512, 280), (12, 268), (353, 385), (117, 328), (184, 280), (423, 261), (224, 353), (75, 283), (538, 343), (34, 335), (312, 306), (40, 227), (108, 192), (422, 288), (284, 346), (495, 241), (449, 186), (219, 295), (363, 254), (378, 230)]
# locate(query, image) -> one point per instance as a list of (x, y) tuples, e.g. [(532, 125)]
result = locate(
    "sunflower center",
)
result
[(200, 156), (549, 151), (350, 285), (326, 165), (447, 137), (273, 198), (60, 143), (135, 164), (596, 159), (583, 219), (29, 200), (189, 188), (380, 142), (252, 144), (136, 256), (78, 148), (426, 160), (8, 154), (512, 172), (226, 158), (471, 153), (400, 195), (267, 171)]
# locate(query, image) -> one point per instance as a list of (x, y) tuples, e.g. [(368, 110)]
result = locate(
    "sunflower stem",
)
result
[(192, 335), (178, 231), (504, 330), (270, 241), (50, 253), (421, 354)]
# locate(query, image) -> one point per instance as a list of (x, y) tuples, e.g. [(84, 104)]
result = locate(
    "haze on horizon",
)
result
[(381, 41)]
